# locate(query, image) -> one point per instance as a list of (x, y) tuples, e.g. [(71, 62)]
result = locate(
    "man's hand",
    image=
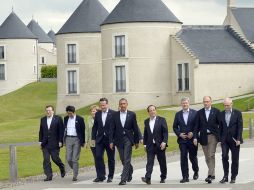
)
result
[(183, 136), (60, 144), (190, 135), (195, 142), (163, 146), (238, 143), (111, 146), (92, 143), (136, 146), (141, 141)]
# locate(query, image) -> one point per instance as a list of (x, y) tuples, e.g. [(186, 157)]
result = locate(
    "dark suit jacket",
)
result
[(80, 128), (201, 125), (130, 129), (51, 137), (179, 125), (98, 129), (235, 128), (159, 134)]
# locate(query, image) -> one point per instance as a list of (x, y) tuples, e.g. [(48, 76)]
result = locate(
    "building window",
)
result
[(120, 79), (72, 82), (120, 46), (71, 51), (35, 69), (42, 60), (2, 72), (2, 53), (183, 77)]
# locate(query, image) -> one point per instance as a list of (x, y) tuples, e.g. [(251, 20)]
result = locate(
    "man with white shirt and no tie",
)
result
[(155, 143), (51, 140), (74, 138)]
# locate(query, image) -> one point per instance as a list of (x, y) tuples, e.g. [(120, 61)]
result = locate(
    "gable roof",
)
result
[(39, 32), (86, 18), (245, 17), (140, 11), (216, 44), (52, 35), (14, 28)]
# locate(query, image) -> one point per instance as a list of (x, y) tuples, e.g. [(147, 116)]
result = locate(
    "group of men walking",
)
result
[(119, 130)]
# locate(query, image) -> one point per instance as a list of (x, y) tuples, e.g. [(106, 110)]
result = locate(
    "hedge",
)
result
[(49, 71)]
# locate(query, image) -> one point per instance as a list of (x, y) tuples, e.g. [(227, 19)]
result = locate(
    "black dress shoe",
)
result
[(48, 179), (224, 180), (129, 179), (62, 173), (74, 179), (146, 180), (99, 179), (184, 180), (162, 181), (208, 179), (122, 182), (110, 179), (213, 177), (232, 180), (195, 176)]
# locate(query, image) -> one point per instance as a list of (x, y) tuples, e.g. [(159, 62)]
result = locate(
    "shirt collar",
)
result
[(187, 111), (123, 112), (105, 111), (230, 111), (153, 119), (209, 109)]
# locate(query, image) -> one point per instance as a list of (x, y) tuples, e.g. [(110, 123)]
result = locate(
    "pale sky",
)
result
[(54, 13)]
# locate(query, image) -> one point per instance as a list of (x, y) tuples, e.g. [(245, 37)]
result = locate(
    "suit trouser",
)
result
[(209, 151), (235, 150), (161, 157), (93, 149), (125, 152), (73, 148), (190, 148), (54, 154), (100, 149)]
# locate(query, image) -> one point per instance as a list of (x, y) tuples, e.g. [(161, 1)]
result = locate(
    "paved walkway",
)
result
[(245, 179)]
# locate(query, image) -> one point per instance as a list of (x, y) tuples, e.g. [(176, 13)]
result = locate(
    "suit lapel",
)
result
[(181, 117), (189, 117), (53, 119), (108, 116), (223, 118), (231, 117), (127, 117)]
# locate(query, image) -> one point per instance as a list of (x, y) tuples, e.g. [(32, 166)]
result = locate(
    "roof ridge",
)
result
[(240, 37)]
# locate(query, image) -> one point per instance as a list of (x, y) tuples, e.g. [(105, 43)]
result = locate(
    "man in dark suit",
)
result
[(124, 133), (207, 125), (74, 138), (231, 138), (183, 126), (155, 143), (51, 140), (100, 134)]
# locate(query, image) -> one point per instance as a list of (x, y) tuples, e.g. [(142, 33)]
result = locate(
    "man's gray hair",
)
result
[(185, 99)]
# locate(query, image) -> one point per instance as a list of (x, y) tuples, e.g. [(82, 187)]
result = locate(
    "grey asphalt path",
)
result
[(245, 180)]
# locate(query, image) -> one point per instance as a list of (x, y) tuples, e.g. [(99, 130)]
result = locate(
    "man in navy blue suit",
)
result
[(124, 133), (183, 126), (100, 135), (231, 137)]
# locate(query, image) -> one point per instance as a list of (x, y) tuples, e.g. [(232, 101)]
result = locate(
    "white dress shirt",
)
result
[(151, 124), (207, 113), (49, 120), (228, 116), (123, 116), (186, 115), (104, 117), (71, 126)]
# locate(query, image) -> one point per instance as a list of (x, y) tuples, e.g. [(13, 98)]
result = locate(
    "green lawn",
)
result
[(19, 122)]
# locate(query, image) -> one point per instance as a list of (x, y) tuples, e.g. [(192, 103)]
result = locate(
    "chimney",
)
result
[(230, 5)]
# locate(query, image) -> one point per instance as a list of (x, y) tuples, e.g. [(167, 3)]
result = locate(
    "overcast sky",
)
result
[(54, 13)]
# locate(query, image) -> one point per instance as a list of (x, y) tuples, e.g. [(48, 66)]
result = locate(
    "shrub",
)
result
[(49, 71)]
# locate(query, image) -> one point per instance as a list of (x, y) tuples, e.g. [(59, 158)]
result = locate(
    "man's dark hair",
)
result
[(150, 106), (104, 100), (123, 99), (70, 109), (50, 106)]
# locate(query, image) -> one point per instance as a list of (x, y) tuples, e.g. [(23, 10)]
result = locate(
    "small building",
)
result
[(18, 55)]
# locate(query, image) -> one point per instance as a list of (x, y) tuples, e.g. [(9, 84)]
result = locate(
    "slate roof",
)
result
[(14, 28), (140, 11), (39, 32), (52, 35), (216, 44), (86, 18), (245, 17)]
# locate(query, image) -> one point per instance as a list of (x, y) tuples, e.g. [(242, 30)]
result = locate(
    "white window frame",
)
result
[(183, 77), (126, 45), (5, 55), (67, 86), (66, 52), (5, 71), (114, 65)]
